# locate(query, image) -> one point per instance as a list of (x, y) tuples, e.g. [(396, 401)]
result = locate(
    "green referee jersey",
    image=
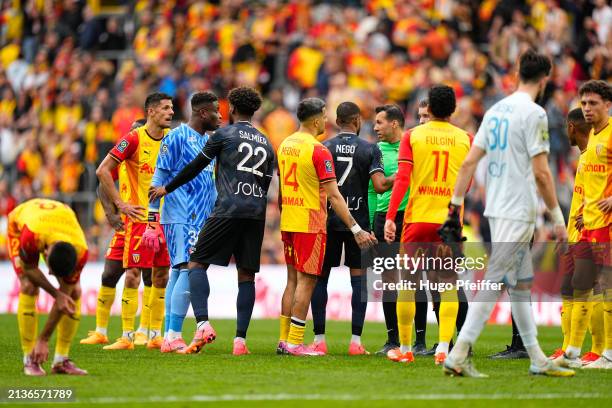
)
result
[(380, 202)]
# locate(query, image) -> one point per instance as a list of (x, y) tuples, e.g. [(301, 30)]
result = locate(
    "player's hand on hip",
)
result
[(115, 221), (365, 239), (390, 230), (40, 354), (134, 212), (579, 222), (605, 204), (65, 303), (155, 193)]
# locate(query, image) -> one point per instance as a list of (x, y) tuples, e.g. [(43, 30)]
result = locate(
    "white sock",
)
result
[(172, 335), (26, 359), (58, 359), (143, 330), (405, 349), (356, 339), (240, 339), (460, 350), (523, 317), (442, 348), (607, 353), (319, 338), (476, 318), (572, 352), (128, 335), (291, 345), (101, 330), (201, 325), (153, 334)]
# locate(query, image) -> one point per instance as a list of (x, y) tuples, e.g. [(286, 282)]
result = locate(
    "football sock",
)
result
[(390, 312), (477, 316), (581, 317), (199, 289), (435, 299), (66, 329), (523, 316), (284, 327), (420, 317), (607, 312), (106, 297), (157, 302), (517, 341), (129, 306), (442, 347), (202, 324), (180, 298), (449, 305), (58, 358), (319, 338), (171, 335), (356, 339), (566, 320), (406, 310), (296, 332), (174, 275), (27, 320), (598, 337), (145, 314), (244, 307), (318, 304), (463, 308), (358, 306)]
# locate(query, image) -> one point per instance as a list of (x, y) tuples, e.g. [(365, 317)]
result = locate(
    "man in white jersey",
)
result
[(514, 136)]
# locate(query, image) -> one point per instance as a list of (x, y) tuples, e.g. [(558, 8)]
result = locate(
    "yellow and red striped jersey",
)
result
[(597, 177)]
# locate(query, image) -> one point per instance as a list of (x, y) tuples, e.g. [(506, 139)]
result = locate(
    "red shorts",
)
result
[(596, 244), (305, 251), (422, 238), (13, 251), (115, 247), (135, 255)]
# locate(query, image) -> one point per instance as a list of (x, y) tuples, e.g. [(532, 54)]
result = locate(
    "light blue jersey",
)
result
[(193, 202)]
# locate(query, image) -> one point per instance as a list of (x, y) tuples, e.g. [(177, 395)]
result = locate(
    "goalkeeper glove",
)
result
[(153, 235), (450, 232)]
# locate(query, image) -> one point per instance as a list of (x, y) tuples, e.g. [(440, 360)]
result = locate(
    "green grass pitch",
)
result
[(216, 378)]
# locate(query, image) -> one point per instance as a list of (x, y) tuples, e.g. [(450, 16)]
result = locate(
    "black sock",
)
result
[(463, 309), (390, 311), (435, 298), (359, 307), (420, 318), (244, 307), (199, 290), (517, 341), (318, 304)]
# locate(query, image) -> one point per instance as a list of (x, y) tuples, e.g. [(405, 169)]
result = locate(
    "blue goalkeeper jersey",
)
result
[(193, 202)]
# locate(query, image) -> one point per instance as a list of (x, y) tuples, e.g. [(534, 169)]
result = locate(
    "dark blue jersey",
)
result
[(355, 160), (245, 164)]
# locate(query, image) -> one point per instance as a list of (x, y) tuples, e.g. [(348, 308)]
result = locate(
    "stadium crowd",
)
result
[(73, 78)]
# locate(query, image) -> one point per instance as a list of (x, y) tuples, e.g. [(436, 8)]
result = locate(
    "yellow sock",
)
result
[(607, 318), (296, 333), (285, 321), (566, 320), (106, 297), (598, 338), (449, 306), (66, 329), (406, 309), (145, 315), (581, 317), (157, 305), (129, 306), (27, 320)]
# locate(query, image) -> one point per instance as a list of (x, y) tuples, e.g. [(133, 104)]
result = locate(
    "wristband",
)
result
[(356, 229), (458, 201), (557, 216)]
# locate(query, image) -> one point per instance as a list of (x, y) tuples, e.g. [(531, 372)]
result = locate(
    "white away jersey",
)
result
[(512, 132)]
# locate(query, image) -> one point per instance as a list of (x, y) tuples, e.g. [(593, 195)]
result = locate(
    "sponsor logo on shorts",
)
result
[(328, 166), (123, 145), (136, 257)]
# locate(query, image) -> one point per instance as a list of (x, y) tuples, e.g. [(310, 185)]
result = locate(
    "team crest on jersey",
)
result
[(164, 149), (599, 149), (328, 166), (123, 145), (136, 257)]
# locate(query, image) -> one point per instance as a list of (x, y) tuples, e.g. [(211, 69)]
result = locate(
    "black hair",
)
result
[(423, 103), (154, 99), (309, 107), (393, 112), (138, 123), (245, 99), (346, 113), (442, 102), (62, 259), (201, 98), (533, 66), (576, 117), (597, 86)]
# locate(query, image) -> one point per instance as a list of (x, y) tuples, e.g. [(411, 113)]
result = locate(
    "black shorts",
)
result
[(336, 240), (220, 238), (379, 225)]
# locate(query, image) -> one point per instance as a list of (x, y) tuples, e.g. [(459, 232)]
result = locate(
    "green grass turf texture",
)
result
[(141, 377)]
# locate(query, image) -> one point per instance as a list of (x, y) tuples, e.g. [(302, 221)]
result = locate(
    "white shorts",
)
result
[(510, 260)]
